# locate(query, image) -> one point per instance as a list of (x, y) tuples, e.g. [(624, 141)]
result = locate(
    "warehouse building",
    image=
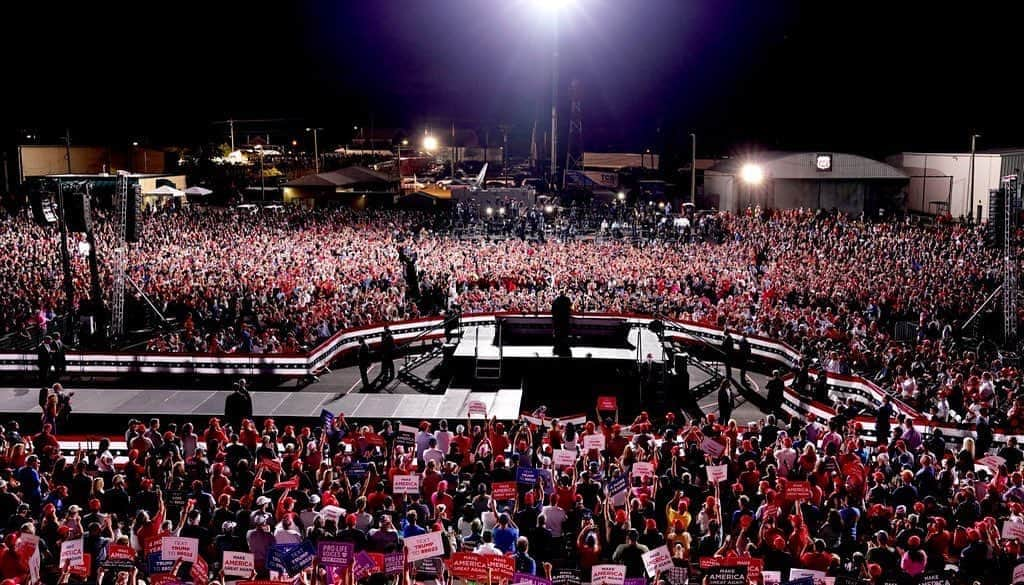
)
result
[(818, 180)]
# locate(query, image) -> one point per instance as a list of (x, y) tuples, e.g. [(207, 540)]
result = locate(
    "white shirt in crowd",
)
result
[(554, 517)]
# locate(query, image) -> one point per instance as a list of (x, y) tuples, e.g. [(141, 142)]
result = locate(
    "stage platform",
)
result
[(175, 403), (478, 341)]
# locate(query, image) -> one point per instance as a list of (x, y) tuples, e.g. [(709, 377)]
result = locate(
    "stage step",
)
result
[(488, 369)]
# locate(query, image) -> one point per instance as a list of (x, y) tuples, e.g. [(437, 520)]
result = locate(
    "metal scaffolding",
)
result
[(1011, 202), (122, 193)]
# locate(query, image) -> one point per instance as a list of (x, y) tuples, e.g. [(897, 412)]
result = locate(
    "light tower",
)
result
[(574, 145)]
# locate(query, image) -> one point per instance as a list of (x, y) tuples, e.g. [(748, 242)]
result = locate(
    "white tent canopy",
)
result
[(197, 190), (166, 191)]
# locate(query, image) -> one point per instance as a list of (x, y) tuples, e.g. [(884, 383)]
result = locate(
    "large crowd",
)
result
[(534, 500)]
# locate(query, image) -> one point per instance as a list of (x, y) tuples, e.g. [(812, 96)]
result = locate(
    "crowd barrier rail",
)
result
[(343, 343)]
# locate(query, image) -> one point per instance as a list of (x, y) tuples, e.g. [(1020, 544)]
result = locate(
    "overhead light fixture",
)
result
[(752, 174)]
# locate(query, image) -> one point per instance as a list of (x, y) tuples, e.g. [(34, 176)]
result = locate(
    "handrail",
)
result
[(706, 343)]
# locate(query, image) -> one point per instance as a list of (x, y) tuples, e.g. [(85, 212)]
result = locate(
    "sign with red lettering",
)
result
[(406, 484), (200, 571), (424, 546), (238, 564), (607, 403), (467, 565), (173, 548), (593, 442)]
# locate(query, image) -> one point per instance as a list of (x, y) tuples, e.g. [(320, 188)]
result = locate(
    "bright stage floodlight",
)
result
[(752, 174), (622, 195), (430, 143)]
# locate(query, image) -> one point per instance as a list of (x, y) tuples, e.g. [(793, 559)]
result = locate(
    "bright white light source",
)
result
[(549, 208), (752, 174), (622, 195), (501, 211), (551, 5), (489, 211), (429, 143)]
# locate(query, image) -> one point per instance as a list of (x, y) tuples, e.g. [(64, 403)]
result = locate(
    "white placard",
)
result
[(564, 457), (657, 560), (71, 550), (424, 546), (406, 484), (643, 468), (173, 548), (717, 473), (771, 577), (608, 574), (817, 576), (1018, 573), (238, 564), (595, 442), (333, 513)]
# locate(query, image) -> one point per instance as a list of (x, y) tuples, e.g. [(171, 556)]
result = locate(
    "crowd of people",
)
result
[(777, 496)]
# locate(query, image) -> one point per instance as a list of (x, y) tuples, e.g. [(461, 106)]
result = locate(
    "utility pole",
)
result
[(231, 126), (453, 154), (970, 181), (693, 168), (554, 99), (316, 148)]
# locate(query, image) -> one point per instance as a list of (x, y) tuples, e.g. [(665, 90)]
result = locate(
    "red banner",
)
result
[(291, 484), (797, 490), (467, 565), (607, 403), (504, 490), (200, 572)]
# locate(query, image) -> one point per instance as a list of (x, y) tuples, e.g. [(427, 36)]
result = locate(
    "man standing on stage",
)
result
[(387, 356), (44, 359), (726, 401), (744, 357), (727, 348), (60, 357)]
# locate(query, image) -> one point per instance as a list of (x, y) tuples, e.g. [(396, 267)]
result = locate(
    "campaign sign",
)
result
[(424, 546), (173, 548), (526, 475), (546, 481), (71, 551), (797, 490), (200, 571), (28, 544), (156, 564), (333, 513), (299, 556), (635, 581), (502, 567), (607, 403), (119, 556), (677, 576), (326, 418), (175, 498), (617, 490), (527, 579), (82, 568), (937, 578), (564, 458), (504, 490), (754, 566), (719, 575), (608, 574), (643, 468), (406, 484), (717, 473), (772, 577), (406, 436), (363, 565), (593, 442), (394, 563), (713, 448), (817, 576), (338, 554), (565, 577), (657, 560), (467, 565), (238, 564)]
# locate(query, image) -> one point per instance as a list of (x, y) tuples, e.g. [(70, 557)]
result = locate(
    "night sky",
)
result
[(867, 77)]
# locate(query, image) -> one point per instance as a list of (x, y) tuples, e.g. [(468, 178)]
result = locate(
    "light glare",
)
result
[(752, 174)]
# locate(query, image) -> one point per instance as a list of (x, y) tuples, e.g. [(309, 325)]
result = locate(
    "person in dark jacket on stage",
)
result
[(238, 405)]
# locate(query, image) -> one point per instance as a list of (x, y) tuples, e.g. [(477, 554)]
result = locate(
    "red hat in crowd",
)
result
[(973, 534), (94, 505), (918, 507), (875, 570), (620, 516), (351, 520), (914, 542), (650, 524), (499, 459), (529, 499), (779, 543)]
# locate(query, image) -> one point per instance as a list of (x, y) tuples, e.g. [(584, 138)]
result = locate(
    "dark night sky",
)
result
[(867, 77)]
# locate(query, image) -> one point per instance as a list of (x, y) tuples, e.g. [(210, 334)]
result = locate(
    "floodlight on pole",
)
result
[(622, 195), (752, 174), (430, 143)]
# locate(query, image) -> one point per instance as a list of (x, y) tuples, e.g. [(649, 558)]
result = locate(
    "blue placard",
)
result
[(526, 475)]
